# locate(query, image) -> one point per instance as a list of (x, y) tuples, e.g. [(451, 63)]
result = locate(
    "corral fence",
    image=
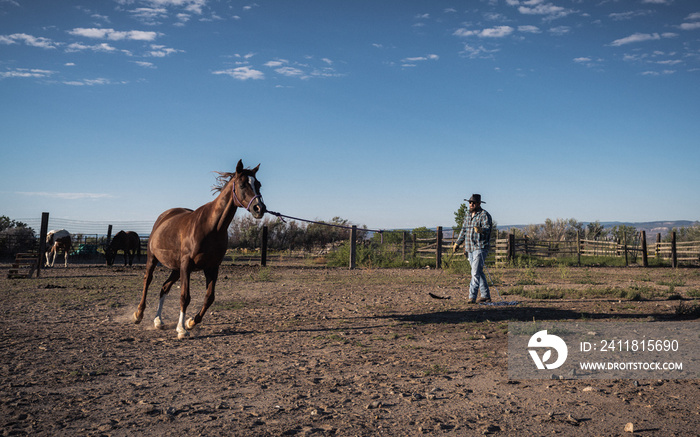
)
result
[(506, 250), (687, 252), (431, 248)]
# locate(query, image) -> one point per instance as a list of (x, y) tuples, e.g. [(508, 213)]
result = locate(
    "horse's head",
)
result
[(246, 191)]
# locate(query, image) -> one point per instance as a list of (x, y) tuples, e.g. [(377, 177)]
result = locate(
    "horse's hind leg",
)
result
[(167, 285), (151, 264), (211, 277)]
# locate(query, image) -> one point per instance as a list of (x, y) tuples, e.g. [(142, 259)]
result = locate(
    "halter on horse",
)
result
[(185, 241)]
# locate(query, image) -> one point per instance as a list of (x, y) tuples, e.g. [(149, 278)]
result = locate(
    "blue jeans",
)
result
[(478, 283)]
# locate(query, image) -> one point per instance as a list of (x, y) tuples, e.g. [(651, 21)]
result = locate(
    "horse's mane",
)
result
[(221, 180)]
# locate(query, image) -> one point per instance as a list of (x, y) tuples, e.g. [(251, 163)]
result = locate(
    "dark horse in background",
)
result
[(129, 242), (185, 241)]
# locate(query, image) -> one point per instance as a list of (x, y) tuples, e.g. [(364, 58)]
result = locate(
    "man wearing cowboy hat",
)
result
[(476, 233)]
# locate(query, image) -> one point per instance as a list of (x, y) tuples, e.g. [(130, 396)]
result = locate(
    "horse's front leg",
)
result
[(65, 260), (185, 272), (167, 285), (211, 276), (151, 264)]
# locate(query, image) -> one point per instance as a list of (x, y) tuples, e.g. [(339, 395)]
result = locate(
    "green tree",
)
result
[(689, 233), (595, 231), (460, 215), (424, 232)]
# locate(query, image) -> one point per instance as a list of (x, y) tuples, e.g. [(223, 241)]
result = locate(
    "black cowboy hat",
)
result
[(475, 198)]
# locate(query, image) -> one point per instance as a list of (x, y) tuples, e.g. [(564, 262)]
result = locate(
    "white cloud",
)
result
[(276, 63), (474, 52), (691, 26), (144, 64), (29, 40), (103, 47), (89, 82), (26, 73), (291, 72), (560, 30), (242, 73), (634, 38), (693, 16), (529, 29), (539, 7), (493, 32), (159, 51), (421, 58), (114, 35)]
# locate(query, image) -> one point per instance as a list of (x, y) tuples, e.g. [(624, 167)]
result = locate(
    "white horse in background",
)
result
[(55, 241)]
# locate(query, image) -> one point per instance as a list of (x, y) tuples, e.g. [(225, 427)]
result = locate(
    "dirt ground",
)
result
[(307, 350)]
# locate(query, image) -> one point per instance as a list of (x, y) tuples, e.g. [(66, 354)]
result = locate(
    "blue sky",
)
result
[(385, 113)]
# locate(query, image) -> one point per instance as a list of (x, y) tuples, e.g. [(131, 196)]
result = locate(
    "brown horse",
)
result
[(129, 242), (185, 241), (55, 241)]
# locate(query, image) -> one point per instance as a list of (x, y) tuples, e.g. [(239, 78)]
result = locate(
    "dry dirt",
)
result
[(306, 350)]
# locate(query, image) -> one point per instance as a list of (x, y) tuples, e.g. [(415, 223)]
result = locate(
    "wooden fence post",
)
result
[(624, 247), (674, 254), (511, 248), (403, 246), (263, 247), (109, 240), (414, 250), (353, 246), (578, 248), (645, 256), (438, 248), (657, 249), (42, 241)]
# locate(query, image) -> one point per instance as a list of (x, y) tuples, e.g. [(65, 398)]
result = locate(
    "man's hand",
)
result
[(455, 247), (477, 229)]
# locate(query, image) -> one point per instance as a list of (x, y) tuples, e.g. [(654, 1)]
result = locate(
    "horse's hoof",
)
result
[(158, 323), (182, 335), (137, 317), (190, 324)]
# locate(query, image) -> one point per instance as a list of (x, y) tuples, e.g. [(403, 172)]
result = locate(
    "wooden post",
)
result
[(438, 249), (511, 248), (578, 248), (657, 248), (415, 247), (674, 255), (645, 256), (42, 241), (403, 246), (624, 246), (263, 247), (109, 240), (353, 246)]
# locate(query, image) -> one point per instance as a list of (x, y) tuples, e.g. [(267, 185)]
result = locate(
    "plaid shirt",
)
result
[(473, 239)]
